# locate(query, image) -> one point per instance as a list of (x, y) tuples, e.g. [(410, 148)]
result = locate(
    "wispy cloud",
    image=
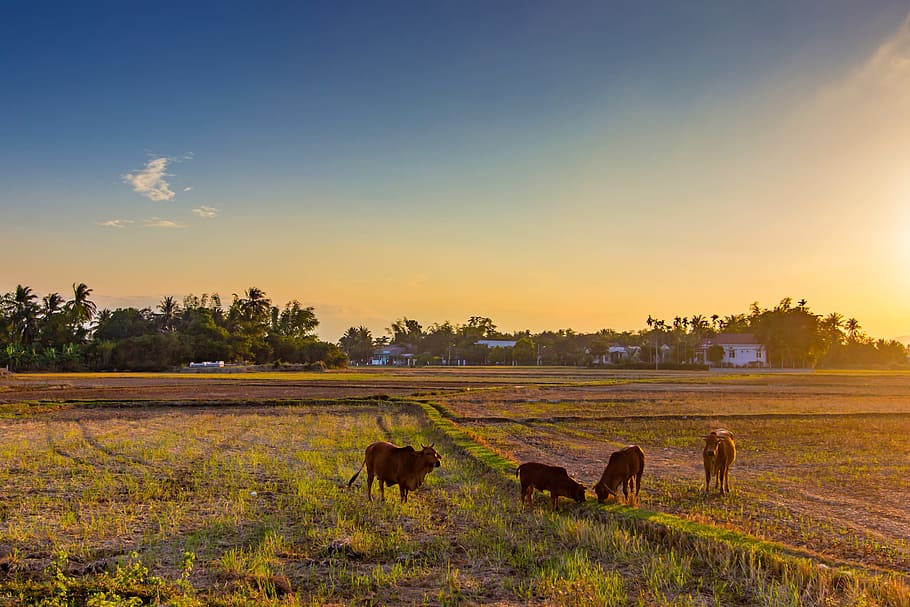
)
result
[(158, 222), (115, 223), (150, 181), (891, 62), (207, 212), (188, 188)]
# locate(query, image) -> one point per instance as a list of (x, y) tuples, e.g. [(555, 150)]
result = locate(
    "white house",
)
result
[(392, 356), (496, 343), (740, 350)]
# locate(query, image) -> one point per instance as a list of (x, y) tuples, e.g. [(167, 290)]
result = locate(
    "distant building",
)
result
[(496, 343), (209, 364), (740, 350), (617, 355), (392, 356)]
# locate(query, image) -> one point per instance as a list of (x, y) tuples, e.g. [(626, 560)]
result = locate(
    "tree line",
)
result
[(70, 333), (793, 335), (56, 333)]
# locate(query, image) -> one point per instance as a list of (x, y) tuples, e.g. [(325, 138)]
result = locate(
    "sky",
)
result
[(546, 164)]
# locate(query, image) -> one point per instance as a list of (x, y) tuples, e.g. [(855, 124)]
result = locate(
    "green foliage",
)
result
[(716, 353), (357, 343)]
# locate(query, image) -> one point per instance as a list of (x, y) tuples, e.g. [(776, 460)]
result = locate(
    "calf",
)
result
[(554, 479), (393, 465), (625, 466), (719, 453)]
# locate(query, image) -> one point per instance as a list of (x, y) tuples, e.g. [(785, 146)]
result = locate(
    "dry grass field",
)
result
[(231, 490)]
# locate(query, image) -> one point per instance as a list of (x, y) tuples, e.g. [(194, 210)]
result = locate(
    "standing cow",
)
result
[(554, 479), (718, 455), (625, 466), (393, 465)]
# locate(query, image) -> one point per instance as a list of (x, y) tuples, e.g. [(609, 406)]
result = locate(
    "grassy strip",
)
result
[(717, 547)]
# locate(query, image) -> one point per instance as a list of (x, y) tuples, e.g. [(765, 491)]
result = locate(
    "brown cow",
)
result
[(554, 479), (718, 455), (393, 465), (625, 466)]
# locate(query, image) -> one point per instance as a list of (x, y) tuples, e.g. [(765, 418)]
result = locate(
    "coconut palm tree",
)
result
[(51, 304), (81, 310), (169, 308), (23, 312), (832, 326), (255, 306), (853, 329), (357, 342)]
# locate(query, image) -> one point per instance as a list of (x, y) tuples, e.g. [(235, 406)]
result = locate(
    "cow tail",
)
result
[(356, 474), (517, 470)]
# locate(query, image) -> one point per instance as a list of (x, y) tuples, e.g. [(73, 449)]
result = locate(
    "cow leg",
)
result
[(707, 480), (527, 494), (555, 499), (404, 494), (370, 485), (382, 488), (625, 490)]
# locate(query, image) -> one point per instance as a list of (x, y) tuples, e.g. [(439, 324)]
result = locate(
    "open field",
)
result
[(137, 485)]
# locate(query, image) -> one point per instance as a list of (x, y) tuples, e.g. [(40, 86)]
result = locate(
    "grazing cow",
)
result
[(718, 455), (625, 466), (554, 479), (393, 465)]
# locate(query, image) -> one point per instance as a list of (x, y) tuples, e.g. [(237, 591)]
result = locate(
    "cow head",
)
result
[(429, 456), (604, 491), (712, 441), (578, 492)]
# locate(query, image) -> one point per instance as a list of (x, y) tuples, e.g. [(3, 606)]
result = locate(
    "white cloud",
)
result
[(188, 188), (115, 223), (158, 222), (207, 212), (150, 181)]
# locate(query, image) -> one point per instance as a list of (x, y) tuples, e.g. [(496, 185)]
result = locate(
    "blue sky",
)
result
[(526, 161)]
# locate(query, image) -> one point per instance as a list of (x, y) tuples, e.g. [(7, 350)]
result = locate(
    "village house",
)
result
[(392, 356), (740, 350), (617, 355), (496, 343)]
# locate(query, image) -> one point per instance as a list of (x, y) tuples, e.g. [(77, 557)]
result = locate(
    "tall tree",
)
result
[(357, 343), (854, 329), (295, 320), (23, 311), (407, 332), (168, 310), (81, 310)]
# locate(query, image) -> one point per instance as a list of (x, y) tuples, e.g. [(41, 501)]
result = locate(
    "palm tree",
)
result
[(832, 325), (357, 342), (81, 310), (169, 309), (255, 306), (853, 329), (23, 313), (52, 303)]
